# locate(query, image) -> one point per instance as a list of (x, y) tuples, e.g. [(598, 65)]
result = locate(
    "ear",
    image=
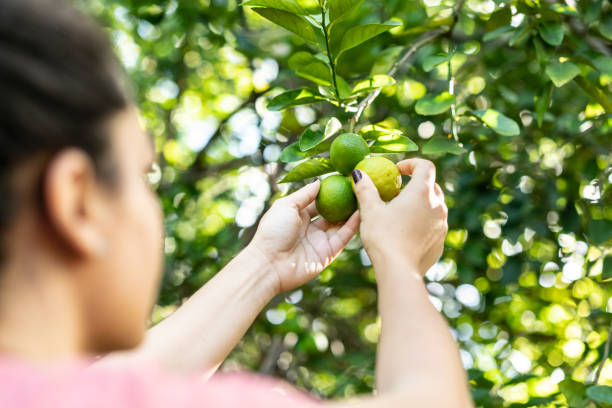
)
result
[(71, 201)]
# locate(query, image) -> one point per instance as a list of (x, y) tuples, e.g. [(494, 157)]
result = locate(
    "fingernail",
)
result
[(314, 179), (357, 175)]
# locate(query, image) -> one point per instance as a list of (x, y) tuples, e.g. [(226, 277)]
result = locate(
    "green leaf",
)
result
[(499, 18), (341, 8), (343, 88), (540, 50), (600, 231), (520, 35), (333, 126), (606, 271), (561, 72), (301, 58), (471, 47), (581, 60), (360, 34), (434, 60), (595, 93), (491, 35), (563, 9), (310, 138), (374, 132), (603, 64), (551, 32), (434, 104), (520, 379), (296, 24), (542, 102), (539, 401), (600, 393), (308, 66), (605, 28), (292, 153), (308, 169), (439, 145), (574, 393), (370, 84), (302, 7), (385, 60), (590, 14), (498, 122), (294, 98), (152, 13), (393, 143)]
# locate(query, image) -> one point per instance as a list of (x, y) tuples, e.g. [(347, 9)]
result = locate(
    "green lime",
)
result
[(346, 151), (385, 175), (336, 200)]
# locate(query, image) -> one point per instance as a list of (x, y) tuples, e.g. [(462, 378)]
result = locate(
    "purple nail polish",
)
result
[(314, 179), (357, 175)]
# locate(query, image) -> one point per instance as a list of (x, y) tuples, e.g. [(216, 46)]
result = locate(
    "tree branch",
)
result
[(604, 358), (580, 30), (198, 163), (406, 54), (192, 174), (249, 233), (329, 54), (453, 109), (274, 351), (594, 92)]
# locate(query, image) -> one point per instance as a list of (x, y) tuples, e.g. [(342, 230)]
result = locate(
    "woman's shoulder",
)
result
[(78, 383)]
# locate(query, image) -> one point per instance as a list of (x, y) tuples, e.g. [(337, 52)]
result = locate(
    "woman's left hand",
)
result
[(297, 248)]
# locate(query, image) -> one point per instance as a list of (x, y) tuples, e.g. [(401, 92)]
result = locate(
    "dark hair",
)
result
[(59, 85)]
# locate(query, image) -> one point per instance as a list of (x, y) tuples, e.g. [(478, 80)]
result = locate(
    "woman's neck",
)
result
[(39, 319)]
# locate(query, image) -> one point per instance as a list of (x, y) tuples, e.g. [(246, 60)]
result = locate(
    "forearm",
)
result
[(417, 355), (204, 330)]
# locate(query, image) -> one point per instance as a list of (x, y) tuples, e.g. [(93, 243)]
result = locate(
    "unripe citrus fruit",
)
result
[(385, 175), (346, 151), (336, 200)]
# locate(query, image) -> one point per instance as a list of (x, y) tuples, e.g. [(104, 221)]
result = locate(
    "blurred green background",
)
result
[(523, 279)]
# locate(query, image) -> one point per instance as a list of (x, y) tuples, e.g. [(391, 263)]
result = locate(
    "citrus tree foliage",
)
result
[(510, 99)]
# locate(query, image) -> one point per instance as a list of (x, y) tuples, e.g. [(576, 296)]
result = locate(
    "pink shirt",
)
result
[(24, 385)]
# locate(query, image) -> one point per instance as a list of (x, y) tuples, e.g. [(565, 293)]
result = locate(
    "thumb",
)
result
[(305, 195), (366, 192)]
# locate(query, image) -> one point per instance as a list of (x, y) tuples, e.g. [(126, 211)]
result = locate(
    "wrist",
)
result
[(263, 265), (395, 268)]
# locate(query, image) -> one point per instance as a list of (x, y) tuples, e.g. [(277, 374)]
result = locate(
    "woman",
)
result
[(82, 249)]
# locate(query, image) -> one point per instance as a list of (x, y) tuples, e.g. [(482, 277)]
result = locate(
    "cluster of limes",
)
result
[(336, 200)]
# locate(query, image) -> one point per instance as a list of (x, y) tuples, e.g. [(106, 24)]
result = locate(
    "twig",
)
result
[(407, 53), (329, 54), (195, 174), (451, 90), (274, 351), (583, 32), (605, 356), (197, 163)]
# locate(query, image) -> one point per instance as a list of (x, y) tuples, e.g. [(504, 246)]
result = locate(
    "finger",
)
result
[(311, 210), (343, 235), (438, 191), (439, 200), (305, 195), (366, 192), (420, 170), (437, 196)]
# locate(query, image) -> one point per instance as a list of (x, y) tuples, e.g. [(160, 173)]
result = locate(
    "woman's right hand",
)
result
[(412, 226)]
